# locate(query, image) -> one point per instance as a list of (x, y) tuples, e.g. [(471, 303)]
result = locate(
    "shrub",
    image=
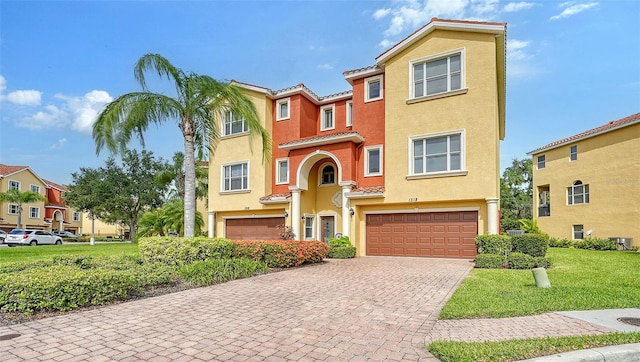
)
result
[(214, 271), (541, 262), (179, 251), (493, 244), (341, 252), (559, 243), (530, 244), (489, 261), (341, 241), (281, 253), (518, 260), (596, 244)]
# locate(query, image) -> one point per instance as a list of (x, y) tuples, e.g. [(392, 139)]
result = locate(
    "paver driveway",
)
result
[(376, 308)]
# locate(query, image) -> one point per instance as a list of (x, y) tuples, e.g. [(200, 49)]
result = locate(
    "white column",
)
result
[(492, 216), (346, 216), (211, 218), (295, 212)]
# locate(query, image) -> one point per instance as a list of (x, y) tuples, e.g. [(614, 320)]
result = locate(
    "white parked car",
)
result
[(31, 237), (66, 234)]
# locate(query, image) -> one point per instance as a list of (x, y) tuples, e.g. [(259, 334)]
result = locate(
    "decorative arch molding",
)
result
[(302, 175)]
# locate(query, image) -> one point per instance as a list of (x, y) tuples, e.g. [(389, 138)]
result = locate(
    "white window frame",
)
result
[(349, 115), (34, 188), (573, 153), (279, 116), (367, 82), (367, 172), (541, 162), (571, 193), (573, 232), (435, 57), (449, 172), (31, 212), (222, 177), (13, 184), (279, 161), (335, 174), (312, 227), (333, 117), (76, 216), (226, 114), (13, 209)]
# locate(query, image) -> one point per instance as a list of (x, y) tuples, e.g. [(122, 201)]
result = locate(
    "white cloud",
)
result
[(50, 117), (3, 84), (513, 7), (572, 9), (520, 62), (385, 43), (325, 66), (58, 145), (25, 97), (381, 13), (517, 50)]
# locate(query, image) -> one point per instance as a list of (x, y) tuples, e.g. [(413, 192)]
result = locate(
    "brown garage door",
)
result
[(254, 228), (434, 234)]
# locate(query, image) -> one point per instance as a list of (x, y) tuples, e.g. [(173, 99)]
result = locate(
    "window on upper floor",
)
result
[(327, 118), (76, 216), (14, 185), (578, 232), (433, 154), (35, 188), (14, 209), (282, 171), (573, 153), (349, 115), (235, 177), (437, 74), (328, 175), (578, 193), (373, 88), (233, 124), (541, 162), (373, 161), (34, 212), (283, 109)]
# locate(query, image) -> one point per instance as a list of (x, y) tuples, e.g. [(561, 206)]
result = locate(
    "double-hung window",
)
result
[(283, 109), (349, 121), (578, 232), (34, 212), (327, 121), (438, 74), (437, 154), (309, 227), (14, 209), (76, 216), (373, 88), (282, 171), (233, 124), (573, 153), (373, 161), (578, 193), (35, 188), (14, 185), (542, 160), (235, 177)]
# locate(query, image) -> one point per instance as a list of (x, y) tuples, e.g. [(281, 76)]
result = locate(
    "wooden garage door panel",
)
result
[(437, 234), (253, 228)]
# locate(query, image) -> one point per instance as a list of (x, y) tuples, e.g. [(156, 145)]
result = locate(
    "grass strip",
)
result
[(519, 349), (43, 252)]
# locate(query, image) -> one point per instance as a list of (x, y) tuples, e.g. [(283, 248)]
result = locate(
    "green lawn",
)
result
[(580, 280), (32, 253)]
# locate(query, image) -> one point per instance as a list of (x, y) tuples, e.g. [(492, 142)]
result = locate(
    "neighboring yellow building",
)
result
[(589, 184), (50, 215), (405, 163)]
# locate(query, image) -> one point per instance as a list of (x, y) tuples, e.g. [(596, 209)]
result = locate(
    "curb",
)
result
[(619, 353)]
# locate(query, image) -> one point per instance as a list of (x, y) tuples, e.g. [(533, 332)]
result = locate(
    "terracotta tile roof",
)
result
[(55, 185), (326, 136), (613, 125), (272, 197), (359, 70), (8, 170), (336, 95)]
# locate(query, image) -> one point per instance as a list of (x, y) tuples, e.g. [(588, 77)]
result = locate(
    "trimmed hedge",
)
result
[(530, 244), (341, 252), (518, 260), (215, 271), (596, 244), (179, 251), (493, 244), (540, 262), (489, 261), (560, 243), (281, 253)]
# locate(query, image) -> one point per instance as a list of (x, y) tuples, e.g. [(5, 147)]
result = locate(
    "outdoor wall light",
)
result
[(286, 214), (351, 211)]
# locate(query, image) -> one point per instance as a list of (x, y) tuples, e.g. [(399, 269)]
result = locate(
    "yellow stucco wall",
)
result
[(26, 179), (609, 164)]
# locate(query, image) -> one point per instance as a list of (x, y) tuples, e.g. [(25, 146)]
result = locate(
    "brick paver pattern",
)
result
[(368, 308)]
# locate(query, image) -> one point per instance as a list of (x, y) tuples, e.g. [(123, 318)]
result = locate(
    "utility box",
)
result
[(623, 243)]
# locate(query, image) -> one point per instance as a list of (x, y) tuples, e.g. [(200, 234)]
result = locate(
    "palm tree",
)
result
[(200, 101), (170, 217), (14, 196), (174, 175)]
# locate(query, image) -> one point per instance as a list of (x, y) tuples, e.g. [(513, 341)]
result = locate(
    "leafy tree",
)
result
[(119, 194), (170, 217), (14, 196), (199, 102), (174, 177), (516, 194)]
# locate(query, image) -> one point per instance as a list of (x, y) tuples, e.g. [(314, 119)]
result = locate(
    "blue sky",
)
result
[(571, 66)]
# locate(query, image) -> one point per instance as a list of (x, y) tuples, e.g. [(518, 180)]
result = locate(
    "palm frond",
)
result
[(162, 67)]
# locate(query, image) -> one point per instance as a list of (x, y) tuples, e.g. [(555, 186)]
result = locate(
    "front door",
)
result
[(328, 227)]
